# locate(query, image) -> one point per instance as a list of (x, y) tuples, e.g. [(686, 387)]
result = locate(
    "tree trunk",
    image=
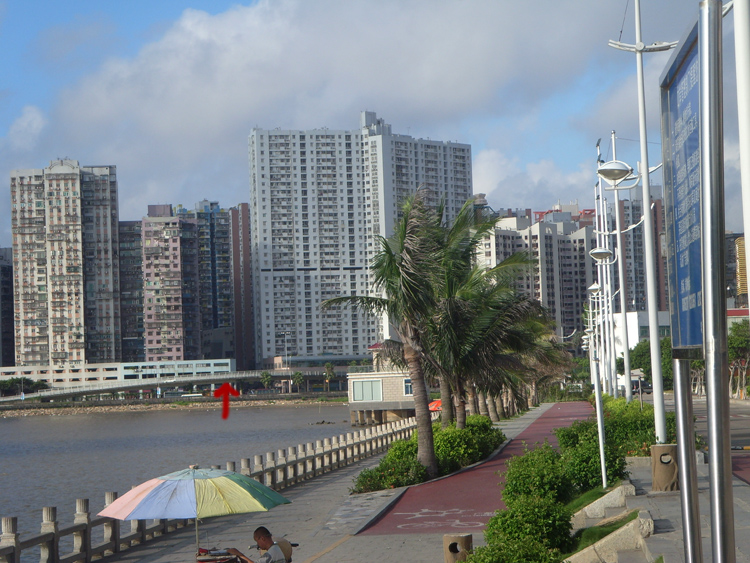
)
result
[(500, 407), (471, 400), (446, 416), (482, 399), (425, 442), (460, 406), (492, 408)]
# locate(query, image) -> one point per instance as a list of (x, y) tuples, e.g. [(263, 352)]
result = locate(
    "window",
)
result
[(407, 387), (371, 390)]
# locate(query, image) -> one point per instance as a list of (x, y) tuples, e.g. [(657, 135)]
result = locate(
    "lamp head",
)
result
[(594, 288), (614, 171), (600, 254)]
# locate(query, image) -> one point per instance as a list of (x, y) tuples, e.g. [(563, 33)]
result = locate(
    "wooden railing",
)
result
[(280, 470)]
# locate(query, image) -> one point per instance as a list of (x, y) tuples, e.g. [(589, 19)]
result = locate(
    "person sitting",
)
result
[(273, 554)]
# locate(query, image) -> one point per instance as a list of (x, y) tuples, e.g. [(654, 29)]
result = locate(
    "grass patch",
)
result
[(589, 536), (590, 496), (660, 559), (333, 399), (180, 403)]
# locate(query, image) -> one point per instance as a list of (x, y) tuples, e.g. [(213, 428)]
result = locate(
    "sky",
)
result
[(169, 91)]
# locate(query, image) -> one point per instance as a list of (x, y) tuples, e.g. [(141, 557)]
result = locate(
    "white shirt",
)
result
[(273, 555)]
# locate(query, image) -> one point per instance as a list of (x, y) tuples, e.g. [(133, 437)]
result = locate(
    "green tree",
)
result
[(403, 275), (266, 379), (298, 380), (640, 358), (738, 343)]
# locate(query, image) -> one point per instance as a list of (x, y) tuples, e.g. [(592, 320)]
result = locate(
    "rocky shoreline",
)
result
[(177, 405)]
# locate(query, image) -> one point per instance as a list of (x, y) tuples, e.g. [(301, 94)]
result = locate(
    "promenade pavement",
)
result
[(326, 520)]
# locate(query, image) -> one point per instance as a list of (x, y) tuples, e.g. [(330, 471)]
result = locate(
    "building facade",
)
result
[(171, 304), (66, 268), (318, 198), (242, 285), (7, 346), (214, 250), (131, 291)]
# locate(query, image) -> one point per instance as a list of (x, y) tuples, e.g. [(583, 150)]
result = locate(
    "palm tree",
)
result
[(403, 274), (481, 323)]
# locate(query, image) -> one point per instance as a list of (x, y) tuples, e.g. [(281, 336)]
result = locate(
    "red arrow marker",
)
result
[(224, 391)]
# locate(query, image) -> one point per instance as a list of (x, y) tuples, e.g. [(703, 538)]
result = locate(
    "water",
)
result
[(53, 460)]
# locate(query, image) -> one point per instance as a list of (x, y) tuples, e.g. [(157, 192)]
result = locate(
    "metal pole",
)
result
[(714, 287), (599, 409), (742, 65), (609, 314), (660, 420), (623, 293), (601, 326), (691, 523)]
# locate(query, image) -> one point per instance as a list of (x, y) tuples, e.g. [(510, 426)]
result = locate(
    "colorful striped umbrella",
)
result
[(194, 493)]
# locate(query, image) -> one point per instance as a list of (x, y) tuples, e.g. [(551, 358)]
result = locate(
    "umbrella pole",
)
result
[(197, 537)]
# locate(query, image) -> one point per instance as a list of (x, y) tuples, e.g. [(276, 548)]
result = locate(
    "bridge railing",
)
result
[(277, 470)]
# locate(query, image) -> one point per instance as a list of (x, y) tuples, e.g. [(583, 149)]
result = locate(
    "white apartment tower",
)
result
[(66, 271), (563, 270), (318, 198)]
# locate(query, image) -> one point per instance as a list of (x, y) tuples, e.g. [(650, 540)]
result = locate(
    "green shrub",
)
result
[(540, 518), (570, 436), (398, 468), (583, 464), (488, 438), (455, 448), (537, 472), (515, 551)]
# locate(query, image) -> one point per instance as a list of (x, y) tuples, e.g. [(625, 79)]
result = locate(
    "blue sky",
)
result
[(169, 90)]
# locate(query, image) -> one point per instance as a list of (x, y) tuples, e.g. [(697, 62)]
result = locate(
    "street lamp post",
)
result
[(639, 48), (613, 173), (601, 255), (591, 332)]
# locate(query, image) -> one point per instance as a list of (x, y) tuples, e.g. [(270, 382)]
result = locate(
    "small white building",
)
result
[(378, 397)]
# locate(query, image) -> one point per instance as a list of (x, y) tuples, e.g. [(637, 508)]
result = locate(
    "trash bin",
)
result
[(456, 547), (664, 469)]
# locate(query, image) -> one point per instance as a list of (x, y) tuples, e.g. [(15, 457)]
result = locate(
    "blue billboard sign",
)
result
[(680, 129)]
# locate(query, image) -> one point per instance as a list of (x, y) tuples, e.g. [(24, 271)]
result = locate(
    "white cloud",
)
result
[(175, 117), (24, 132)]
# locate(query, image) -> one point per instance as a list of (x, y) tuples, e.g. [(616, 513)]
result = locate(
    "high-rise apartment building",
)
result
[(560, 240), (66, 268), (7, 347), (171, 305), (318, 198), (131, 291), (563, 270), (215, 277), (242, 285)]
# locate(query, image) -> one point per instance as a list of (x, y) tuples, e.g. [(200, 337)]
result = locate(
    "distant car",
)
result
[(645, 387)]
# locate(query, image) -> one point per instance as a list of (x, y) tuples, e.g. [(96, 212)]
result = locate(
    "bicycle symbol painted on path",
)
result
[(435, 515)]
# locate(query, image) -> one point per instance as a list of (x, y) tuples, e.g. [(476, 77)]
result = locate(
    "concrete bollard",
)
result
[(50, 550), (82, 539), (245, 466), (280, 476), (9, 538), (258, 467), (291, 465), (231, 466), (269, 474), (301, 463), (112, 528), (456, 547)]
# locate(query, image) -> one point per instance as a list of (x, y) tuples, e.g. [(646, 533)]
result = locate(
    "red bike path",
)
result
[(465, 501)]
